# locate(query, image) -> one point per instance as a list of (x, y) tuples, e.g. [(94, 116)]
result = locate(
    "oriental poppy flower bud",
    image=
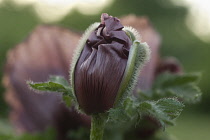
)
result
[(104, 65)]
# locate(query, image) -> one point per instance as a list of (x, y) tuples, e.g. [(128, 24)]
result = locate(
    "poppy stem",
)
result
[(97, 126)]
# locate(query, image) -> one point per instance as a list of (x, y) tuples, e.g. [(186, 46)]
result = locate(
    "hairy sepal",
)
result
[(138, 56)]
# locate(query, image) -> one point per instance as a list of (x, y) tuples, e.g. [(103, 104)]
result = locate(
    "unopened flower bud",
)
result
[(100, 65)]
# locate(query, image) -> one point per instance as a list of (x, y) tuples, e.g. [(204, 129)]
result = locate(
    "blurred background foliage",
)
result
[(17, 21)]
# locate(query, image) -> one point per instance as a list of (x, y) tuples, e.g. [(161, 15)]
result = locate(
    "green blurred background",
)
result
[(169, 19)]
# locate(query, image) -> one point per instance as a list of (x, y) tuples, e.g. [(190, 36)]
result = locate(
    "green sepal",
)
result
[(138, 55), (132, 33)]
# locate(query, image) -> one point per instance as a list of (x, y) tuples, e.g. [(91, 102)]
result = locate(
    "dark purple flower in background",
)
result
[(47, 51), (101, 65)]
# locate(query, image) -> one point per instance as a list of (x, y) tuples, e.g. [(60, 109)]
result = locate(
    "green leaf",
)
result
[(55, 84), (168, 85), (124, 113), (187, 93), (67, 100), (168, 80), (118, 115), (172, 107), (48, 86), (164, 110), (60, 80)]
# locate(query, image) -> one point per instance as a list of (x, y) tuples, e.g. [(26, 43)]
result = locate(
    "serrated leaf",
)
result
[(117, 115), (187, 93), (168, 80), (56, 84), (129, 107), (170, 85), (124, 113), (48, 86), (164, 110), (172, 107)]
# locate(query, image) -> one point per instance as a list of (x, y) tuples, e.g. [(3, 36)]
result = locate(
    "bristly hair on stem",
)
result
[(97, 126)]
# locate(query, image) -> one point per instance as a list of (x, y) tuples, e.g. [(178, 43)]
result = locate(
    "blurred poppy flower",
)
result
[(47, 51)]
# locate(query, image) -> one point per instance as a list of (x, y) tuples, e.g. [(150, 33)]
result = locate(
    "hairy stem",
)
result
[(97, 127)]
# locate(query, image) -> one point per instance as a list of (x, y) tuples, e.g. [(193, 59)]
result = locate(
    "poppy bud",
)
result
[(99, 67)]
